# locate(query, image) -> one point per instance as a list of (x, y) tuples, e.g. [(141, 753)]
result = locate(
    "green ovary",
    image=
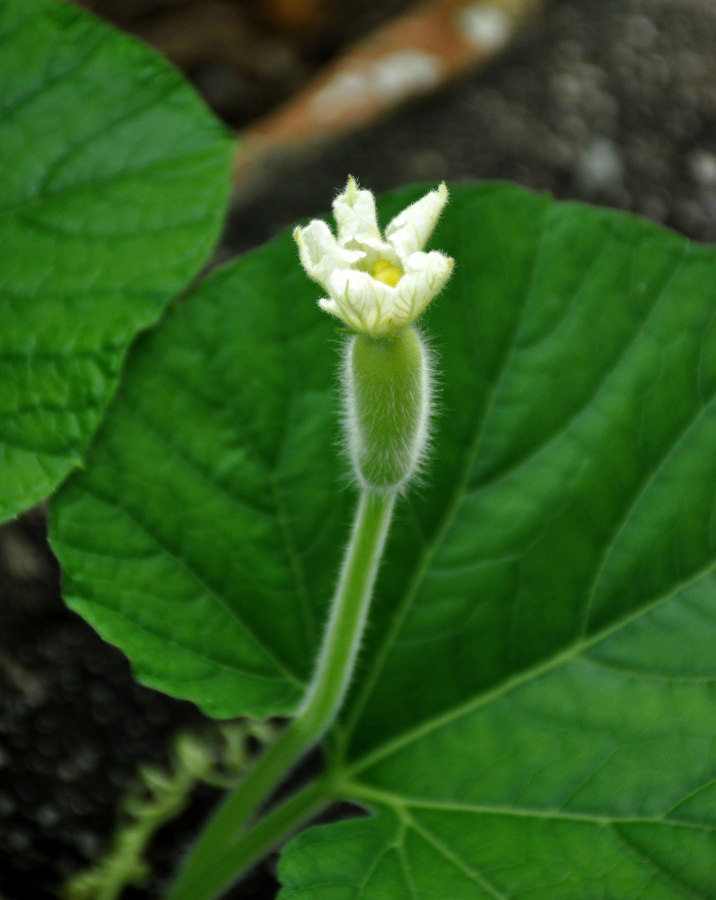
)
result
[(387, 399)]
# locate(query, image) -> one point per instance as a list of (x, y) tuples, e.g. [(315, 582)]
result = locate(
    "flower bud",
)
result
[(387, 391)]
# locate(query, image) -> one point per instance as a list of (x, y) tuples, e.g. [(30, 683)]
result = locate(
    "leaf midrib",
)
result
[(663, 874), (544, 667), (649, 475), (74, 601), (584, 641), (368, 794), (146, 169), (64, 75), (267, 652)]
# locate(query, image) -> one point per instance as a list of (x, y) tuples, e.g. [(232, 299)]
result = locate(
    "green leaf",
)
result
[(534, 713), (114, 183), (203, 536)]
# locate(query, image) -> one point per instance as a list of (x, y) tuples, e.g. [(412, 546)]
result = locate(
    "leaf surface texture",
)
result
[(534, 712)]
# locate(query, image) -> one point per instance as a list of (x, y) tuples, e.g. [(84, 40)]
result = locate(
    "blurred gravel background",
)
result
[(607, 101)]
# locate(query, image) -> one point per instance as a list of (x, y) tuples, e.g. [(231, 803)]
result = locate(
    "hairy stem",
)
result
[(249, 847), (222, 852)]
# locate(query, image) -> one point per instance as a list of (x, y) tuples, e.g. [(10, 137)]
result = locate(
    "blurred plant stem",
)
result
[(157, 796)]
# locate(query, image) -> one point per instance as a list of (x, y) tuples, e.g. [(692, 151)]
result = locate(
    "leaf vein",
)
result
[(192, 651), (455, 860), (361, 793), (661, 872), (65, 75), (197, 577), (649, 473), (544, 667)]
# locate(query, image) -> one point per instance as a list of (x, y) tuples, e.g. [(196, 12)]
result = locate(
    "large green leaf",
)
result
[(534, 713), (114, 182), (204, 534)]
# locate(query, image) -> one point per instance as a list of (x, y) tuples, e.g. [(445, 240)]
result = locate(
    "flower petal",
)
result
[(377, 305), (409, 230), (355, 214), (330, 306), (376, 248), (365, 303), (320, 253), (425, 276)]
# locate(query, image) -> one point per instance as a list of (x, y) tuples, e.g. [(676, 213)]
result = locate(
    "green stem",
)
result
[(251, 846), (215, 861)]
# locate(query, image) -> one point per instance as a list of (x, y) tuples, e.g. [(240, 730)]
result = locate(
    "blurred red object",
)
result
[(412, 54), (292, 15)]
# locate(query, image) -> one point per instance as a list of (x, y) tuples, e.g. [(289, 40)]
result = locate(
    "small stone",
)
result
[(640, 32), (701, 165), (47, 816), (87, 843), (8, 805), (20, 557), (18, 841), (484, 26), (599, 165)]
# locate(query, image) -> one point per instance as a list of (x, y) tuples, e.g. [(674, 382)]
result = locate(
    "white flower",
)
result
[(375, 284)]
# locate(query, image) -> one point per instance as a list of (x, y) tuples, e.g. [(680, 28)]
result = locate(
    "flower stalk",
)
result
[(205, 873), (378, 285)]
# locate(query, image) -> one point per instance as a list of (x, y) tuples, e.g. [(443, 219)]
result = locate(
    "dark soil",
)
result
[(608, 101)]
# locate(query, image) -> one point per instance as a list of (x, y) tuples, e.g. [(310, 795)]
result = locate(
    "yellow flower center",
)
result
[(386, 272)]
